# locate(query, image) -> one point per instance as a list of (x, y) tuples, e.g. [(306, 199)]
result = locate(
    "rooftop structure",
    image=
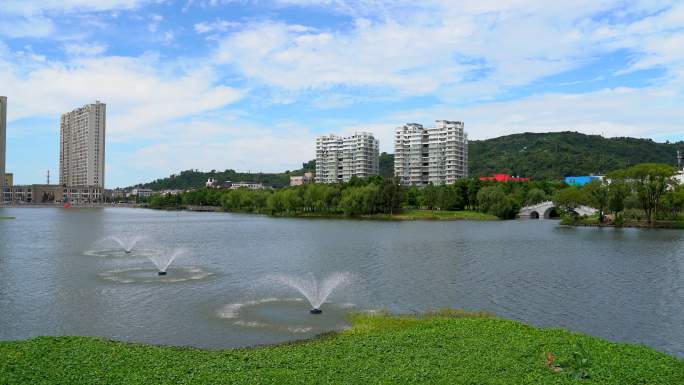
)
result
[(299, 180), (504, 178), (581, 180)]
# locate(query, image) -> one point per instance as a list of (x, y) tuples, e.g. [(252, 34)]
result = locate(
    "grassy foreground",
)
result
[(439, 349)]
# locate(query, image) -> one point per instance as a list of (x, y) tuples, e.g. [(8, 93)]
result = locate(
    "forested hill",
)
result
[(540, 156), (558, 154), (194, 178)]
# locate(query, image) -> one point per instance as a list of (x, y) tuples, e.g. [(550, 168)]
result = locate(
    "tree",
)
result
[(429, 197), (598, 196), (618, 191), (568, 199), (392, 195), (493, 200), (673, 202), (448, 198), (650, 181), (386, 163), (534, 196)]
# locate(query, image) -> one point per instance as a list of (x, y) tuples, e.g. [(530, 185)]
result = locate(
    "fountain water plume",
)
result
[(126, 243), (315, 291), (163, 260)]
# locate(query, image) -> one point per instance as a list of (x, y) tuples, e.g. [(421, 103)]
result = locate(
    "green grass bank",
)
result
[(446, 348)]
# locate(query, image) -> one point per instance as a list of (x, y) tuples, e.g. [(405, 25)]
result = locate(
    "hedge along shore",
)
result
[(448, 347)]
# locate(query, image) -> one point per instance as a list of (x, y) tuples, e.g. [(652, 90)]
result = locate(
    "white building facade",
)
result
[(338, 159), (436, 155), (82, 146)]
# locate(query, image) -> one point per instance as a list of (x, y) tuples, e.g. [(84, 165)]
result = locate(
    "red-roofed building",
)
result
[(504, 178)]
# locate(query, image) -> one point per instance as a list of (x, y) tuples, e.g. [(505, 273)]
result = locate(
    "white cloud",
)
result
[(143, 95), (84, 49), (444, 47), (239, 146), (155, 20), (215, 26), (34, 6)]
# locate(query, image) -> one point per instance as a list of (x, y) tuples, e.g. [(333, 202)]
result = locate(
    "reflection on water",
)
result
[(624, 285)]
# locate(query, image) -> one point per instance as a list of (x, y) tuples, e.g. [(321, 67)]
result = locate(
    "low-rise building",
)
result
[(52, 194), (580, 181), (299, 180), (170, 192), (140, 192), (249, 185), (9, 179), (211, 183), (504, 178)]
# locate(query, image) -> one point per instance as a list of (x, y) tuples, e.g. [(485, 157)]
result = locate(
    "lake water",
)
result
[(57, 276)]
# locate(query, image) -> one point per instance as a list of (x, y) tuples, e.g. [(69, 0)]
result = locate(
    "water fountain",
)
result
[(126, 243), (162, 260), (314, 291)]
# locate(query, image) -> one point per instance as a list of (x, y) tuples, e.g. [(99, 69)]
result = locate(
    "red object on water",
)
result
[(67, 205)]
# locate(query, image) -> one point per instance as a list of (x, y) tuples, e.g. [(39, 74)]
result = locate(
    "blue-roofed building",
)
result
[(581, 180)]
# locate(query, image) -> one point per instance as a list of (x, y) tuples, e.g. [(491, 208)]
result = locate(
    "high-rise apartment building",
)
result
[(3, 137), (338, 159), (82, 146), (435, 155)]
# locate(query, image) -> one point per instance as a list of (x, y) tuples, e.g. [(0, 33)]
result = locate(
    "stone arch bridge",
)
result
[(548, 210)]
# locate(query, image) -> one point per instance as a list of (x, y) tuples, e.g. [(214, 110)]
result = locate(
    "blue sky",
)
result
[(247, 85)]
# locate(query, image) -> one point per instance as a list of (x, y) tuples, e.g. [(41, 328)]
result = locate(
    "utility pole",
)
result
[(48, 176)]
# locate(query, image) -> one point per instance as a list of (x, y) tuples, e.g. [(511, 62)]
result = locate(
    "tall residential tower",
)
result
[(82, 146), (338, 159), (436, 155), (3, 138)]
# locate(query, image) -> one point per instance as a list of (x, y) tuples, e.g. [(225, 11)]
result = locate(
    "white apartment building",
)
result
[(3, 137), (338, 159), (434, 155), (82, 146)]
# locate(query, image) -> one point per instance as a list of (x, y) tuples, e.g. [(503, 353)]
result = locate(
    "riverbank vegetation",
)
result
[(446, 347), (377, 197), (645, 195)]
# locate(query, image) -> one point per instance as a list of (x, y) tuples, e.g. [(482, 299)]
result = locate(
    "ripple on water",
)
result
[(150, 275), (290, 315), (119, 253)]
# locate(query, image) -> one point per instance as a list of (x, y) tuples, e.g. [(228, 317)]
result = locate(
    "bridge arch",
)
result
[(551, 212)]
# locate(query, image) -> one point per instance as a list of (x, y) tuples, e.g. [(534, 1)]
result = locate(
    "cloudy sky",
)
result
[(248, 84)]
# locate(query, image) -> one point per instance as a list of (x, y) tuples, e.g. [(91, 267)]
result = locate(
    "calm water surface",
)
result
[(56, 279)]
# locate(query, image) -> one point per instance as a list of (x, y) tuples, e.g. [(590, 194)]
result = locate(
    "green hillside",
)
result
[(540, 156), (558, 154), (195, 178)]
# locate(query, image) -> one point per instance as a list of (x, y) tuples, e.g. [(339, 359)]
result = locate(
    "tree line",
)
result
[(643, 192), (369, 196)]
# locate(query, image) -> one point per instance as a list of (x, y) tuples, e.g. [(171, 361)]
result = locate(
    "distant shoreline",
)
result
[(55, 205), (634, 224)]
